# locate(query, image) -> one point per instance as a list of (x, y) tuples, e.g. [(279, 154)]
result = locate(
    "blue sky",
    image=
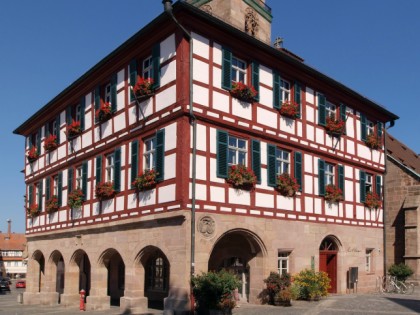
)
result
[(371, 46)]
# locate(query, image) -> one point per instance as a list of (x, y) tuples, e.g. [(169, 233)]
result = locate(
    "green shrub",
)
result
[(401, 271), (274, 284), (213, 290), (312, 285)]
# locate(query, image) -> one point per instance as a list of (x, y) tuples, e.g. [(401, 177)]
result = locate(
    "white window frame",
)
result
[(149, 153), (369, 182), (239, 67), (368, 260), (147, 68), (283, 256), (370, 127), (79, 177), (238, 149), (285, 90), (329, 174), (282, 162), (330, 110), (109, 167), (55, 186), (78, 112), (107, 93)]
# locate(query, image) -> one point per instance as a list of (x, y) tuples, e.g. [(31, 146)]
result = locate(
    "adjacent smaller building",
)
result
[(12, 253)]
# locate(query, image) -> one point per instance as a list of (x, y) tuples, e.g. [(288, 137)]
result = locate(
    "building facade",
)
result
[(12, 253), (170, 148), (402, 198)]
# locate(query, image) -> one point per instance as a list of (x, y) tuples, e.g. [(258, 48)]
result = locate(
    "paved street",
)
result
[(352, 304)]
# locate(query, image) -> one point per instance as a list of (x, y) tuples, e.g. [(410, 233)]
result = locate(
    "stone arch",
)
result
[(79, 272), (112, 268), (55, 273), (37, 270), (242, 252)]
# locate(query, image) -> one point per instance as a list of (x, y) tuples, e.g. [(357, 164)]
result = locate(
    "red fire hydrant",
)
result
[(82, 300)]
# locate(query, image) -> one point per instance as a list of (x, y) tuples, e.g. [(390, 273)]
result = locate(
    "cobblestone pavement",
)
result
[(350, 304)]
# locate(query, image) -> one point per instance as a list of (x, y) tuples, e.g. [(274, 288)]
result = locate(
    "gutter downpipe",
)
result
[(193, 121), (384, 193)]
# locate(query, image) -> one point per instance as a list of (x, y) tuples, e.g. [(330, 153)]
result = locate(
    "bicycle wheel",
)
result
[(401, 287), (410, 288)]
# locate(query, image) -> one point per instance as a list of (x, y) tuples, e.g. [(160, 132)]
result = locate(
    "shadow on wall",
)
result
[(399, 241)]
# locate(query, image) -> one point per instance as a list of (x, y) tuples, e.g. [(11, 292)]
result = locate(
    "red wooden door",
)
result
[(328, 264)]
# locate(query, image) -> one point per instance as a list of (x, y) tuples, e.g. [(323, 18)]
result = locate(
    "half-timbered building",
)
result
[(195, 146)]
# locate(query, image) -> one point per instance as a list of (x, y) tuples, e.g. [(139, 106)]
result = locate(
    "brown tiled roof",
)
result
[(403, 154), (17, 241)]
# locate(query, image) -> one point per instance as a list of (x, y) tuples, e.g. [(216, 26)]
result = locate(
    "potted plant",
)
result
[(239, 176), (333, 193), (50, 143), (143, 88), (373, 142), (335, 126), (145, 181), (312, 285), (289, 109), (51, 205), (213, 292), (73, 129), (33, 154), (32, 210), (286, 185), (372, 200), (75, 199), (243, 92), (104, 112), (401, 271), (105, 190), (284, 297)]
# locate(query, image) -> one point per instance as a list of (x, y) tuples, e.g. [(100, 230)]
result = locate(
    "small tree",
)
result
[(274, 284), (401, 271), (312, 285)]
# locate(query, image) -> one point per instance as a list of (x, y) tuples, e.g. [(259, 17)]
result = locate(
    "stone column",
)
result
[(71, 296), (48, 294), (31, 295), (98, 298), (134, 300)]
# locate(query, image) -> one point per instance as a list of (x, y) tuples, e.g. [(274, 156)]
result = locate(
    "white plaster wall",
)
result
[(284, 203), (348, 188), (170, 137), (168, 73), (287, 125), (363, 152), (217, 194), (201, 138), (132, 115), (213, 137), (266, 76), (120, 79), (88, 116), (167, 48), (201, 71), (318, 205), (264, 200), (308, 161), (331, 209), (310, 133), (146, 106), (201, 95), (217, 54), (119, 122), (239, 196), (349, 127), (200, 191), (132, 201), (167, 193), (120, 203), (166, 98), (308, 184), (309, 95), (220, 102), (213, 172), (241, 109), (266, 97), (350, 146), (310, 114), (360, 212), (217, 77), (319, 135), (147, 197), (201, 171), (200, 45), (266, 117)]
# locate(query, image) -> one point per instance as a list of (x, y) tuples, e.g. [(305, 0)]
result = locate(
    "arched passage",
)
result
[(328, 259), (115, 266), (56, 270), (156, 275), (39, 270), (241, 252), (80, 265)]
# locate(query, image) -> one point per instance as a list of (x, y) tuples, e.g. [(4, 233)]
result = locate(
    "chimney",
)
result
[(9, 228)]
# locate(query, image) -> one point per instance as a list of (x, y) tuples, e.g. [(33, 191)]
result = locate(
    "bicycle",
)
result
[(390, 284)]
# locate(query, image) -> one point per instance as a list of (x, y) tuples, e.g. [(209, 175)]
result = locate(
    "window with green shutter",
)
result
[(298, 97), (134, 159), (117, 169), (255, 67), (378, 185), (160, 154), (277, 95), (60, 189), (322, 116), (362, 186), (363, 127), (30, 195), (343, 116), (298, 169), (226, 69), (321, 177), (222, 154), (133, 77), (114, 98), (84, 178), (341, 178), (39, 186), (271, 166), (47, 189), (156, 65), (97, 101), (69, 180), (98, 174), (256, 159), (82, 112)]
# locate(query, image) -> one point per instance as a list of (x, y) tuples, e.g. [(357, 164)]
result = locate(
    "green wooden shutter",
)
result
[(321, 177), (362, 186), (134, 160), (363, 127), (298, 97), (256, 159), (256, 79), (98, 169), (222, 154), (30, 194), (378, 182), (379, 133), (160, 154), (271, 166), (58, 122), (40, 195), (68, 115), (156, 65), (47, 130), (133, 77), (84, 178), (322, 115), (38, 140), (97, 101), (298, 169), (117, 169), (47, 188), (226, 69), (114, 80), (277, 95), (60, 189), (343, 116), (341, 178), (69, 180), (82, 112)]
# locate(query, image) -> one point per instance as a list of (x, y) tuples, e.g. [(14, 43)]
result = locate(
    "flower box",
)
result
[(33, 155), (333, 193), (334, 126), (373, 142), (75, 199), (105, 190), (286, 185), (143, 88), (145, 181), (51, 205), (104, 112), (239, 176), (73, 129), (50, 143), (372, 201), (33, 210), (243, 92), (289, 109)]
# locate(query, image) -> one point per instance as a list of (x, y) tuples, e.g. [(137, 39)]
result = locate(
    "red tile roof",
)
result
[(403, 154), (17, 241)]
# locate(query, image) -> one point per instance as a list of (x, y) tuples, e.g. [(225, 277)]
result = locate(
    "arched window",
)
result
[(158, 271)]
